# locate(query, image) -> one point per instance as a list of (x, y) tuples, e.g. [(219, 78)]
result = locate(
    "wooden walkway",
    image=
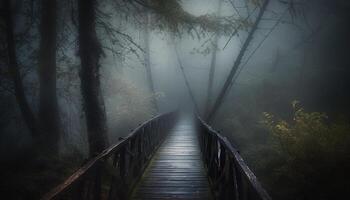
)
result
[(176, 170)]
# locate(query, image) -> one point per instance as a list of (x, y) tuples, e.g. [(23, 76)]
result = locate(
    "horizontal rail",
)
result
[(113, 173), (229, 175)]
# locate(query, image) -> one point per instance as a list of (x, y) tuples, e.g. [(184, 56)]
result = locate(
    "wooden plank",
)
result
[(77, 177), (176, 170)]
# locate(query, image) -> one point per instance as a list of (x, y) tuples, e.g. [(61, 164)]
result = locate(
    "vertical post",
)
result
[(98, 181), (122, 164), (78, 190), (139, 148), (122, 168), (236, 179)]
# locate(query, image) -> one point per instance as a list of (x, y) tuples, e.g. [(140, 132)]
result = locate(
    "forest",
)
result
[(81, 79)]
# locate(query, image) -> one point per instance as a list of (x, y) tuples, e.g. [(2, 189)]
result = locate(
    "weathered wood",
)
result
[(86, 182), (229, 176), (175, 167), (176, 170)]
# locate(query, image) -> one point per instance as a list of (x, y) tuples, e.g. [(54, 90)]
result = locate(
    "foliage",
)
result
[(316, 152), (127, 103), (170, 16)]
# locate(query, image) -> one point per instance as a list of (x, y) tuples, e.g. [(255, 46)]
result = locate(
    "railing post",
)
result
[(98, 180), (122, 172), (128, 159), (229, 176), (132, 159), (221, 171), (235, 180), (78, 190)]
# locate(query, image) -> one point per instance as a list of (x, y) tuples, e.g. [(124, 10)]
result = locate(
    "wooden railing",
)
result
[(113, 173), (229, 176)]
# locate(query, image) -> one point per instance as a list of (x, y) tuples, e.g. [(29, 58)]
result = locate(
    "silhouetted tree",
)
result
[(219, 100), (147, 39), (19, 92), (212, 67), (187, 83), (48, 107), (90, 52)]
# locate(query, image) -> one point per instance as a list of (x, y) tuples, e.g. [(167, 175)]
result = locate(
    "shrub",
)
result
[(315, 152)]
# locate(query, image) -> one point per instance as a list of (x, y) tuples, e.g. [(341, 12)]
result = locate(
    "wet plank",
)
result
[(176, 170)]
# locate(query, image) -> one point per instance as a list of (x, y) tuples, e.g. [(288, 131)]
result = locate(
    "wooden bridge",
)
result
[(168, 157)]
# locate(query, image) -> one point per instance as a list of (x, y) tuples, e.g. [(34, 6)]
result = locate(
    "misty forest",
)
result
[(174, 99)]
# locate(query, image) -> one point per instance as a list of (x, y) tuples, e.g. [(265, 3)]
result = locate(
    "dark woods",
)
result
[(36, 26), (46, 128), (90, 52), (77, 75)]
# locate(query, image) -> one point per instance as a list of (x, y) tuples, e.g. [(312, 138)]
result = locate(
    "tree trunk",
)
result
[(212, 67), (48, 107), (186, 81), (90, 52), (148, 58), (219, 100), (22, 101), (275, 62)]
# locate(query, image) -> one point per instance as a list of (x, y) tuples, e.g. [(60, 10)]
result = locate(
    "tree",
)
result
[(90, 52), (212, 66), (22, 101), (148, 57), (48, 107), (190, 92), (219, 100)]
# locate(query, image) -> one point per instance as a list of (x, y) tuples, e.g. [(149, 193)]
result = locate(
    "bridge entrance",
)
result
[(176, 171)]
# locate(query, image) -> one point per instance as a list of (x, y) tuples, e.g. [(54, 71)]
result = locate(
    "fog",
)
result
[(295, 45), (296, 61)]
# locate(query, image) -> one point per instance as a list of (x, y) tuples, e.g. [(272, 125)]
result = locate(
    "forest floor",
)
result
[(26, 178)]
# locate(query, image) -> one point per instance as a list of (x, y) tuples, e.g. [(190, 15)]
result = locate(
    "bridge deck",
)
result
[(176, 170)]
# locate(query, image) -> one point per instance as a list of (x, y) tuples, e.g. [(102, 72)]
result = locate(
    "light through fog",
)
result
[(168, 79), (269, 75)]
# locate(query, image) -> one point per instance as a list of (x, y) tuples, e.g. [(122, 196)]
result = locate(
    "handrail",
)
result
[(125, 161), (229, 175)]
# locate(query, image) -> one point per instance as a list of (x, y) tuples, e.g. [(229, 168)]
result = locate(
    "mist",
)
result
[(270, 76)]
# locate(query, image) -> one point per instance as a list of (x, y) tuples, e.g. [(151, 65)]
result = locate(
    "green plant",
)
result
[(316, 152)]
